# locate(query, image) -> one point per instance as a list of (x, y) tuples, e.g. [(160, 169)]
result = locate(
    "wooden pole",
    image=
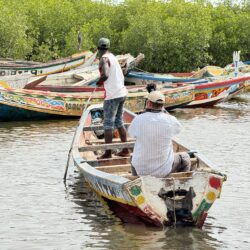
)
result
[(73, 141)]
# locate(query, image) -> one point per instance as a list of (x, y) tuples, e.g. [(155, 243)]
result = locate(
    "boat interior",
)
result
[(92, 145), (71, 79)]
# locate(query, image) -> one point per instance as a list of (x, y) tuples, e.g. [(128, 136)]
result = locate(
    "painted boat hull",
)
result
[(21, 104), (139, 197), (28, 104), (16, 81), (52, 67), (81, 79), (208, 103), (206, 93), (130, 214), (212, 93), (140, 78), (9, 113)]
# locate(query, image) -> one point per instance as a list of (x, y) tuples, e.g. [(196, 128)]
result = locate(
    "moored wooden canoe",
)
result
[(211, 93), (22, 104), (59, 65), (185, 197), (139, 78), (208, 92), (75, 80)]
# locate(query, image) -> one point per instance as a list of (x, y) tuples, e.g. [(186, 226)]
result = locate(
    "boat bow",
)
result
[(182, 198)]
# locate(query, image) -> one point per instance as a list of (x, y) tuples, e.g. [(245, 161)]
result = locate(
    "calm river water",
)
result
[(37, 211)]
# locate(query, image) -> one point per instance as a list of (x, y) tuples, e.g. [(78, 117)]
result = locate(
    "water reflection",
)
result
[(89, 204), (37, 212), (111, 233), (235, 108), (109, 230), (33, 125), (225, 112)]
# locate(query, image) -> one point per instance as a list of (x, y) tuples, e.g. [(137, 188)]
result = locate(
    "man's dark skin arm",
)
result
[(104, 70)]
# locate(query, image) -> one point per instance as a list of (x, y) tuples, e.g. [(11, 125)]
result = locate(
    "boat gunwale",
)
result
[(82, 162), (54, 63), (224, 82), (77, 156)]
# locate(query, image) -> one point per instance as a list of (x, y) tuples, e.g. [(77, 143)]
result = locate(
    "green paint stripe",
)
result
[(204, 206)]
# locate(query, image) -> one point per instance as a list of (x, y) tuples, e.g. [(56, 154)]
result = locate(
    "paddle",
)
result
[(73, 141)]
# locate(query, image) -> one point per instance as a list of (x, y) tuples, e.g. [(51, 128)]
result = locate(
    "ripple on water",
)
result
[(39, 212)]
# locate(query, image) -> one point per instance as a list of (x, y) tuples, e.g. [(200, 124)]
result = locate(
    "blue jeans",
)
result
[(113, 111)]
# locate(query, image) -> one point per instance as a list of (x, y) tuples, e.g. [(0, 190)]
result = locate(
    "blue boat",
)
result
[(144, 78)]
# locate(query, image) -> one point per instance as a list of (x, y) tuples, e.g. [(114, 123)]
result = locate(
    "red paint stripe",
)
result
[(130, 214), (222, 83)]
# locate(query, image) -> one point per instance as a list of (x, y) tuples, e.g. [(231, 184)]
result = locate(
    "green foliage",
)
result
[(91, 32), (14, 37), (174, 35), (226, 36)]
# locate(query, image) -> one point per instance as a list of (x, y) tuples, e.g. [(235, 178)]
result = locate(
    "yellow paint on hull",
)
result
[(61, 70), (110, 197)]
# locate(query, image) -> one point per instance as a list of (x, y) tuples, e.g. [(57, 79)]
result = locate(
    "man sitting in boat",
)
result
[(153, 151), (112, 78)]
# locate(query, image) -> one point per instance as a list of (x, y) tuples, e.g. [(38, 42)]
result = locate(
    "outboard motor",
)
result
[(179, 204), (97, 119)]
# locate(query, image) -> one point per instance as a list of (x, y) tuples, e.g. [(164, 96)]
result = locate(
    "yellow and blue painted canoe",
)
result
[(23, 104)]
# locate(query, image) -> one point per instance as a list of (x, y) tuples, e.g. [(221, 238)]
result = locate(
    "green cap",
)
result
[(103, 43)]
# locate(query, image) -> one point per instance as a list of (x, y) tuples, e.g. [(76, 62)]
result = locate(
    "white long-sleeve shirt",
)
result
[(153, 152)]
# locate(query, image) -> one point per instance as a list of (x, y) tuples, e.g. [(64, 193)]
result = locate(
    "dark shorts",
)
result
[(182, 162), (113, 111)]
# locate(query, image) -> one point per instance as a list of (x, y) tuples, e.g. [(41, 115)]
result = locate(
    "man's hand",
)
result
[(99, 83), (151, 87)]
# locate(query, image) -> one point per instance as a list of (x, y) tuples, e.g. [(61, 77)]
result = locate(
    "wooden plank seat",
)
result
[(116, 168), (125, 169), (108, 161), (102, 141), (107, 146), (98, 127)]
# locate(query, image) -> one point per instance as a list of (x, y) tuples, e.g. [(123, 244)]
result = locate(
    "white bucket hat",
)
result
[(156, 97)]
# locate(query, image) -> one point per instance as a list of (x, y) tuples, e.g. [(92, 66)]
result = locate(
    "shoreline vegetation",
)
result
[(175, 35)]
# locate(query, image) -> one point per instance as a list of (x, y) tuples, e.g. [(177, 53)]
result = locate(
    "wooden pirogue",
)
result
[(207, 92), (178, 198), (60, 65), (25, 104)]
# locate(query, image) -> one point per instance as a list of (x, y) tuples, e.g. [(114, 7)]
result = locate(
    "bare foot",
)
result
[(123, 153), (105, 156)]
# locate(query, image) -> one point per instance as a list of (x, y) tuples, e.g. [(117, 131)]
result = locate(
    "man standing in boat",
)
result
[(112, 79), (153, 151)]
